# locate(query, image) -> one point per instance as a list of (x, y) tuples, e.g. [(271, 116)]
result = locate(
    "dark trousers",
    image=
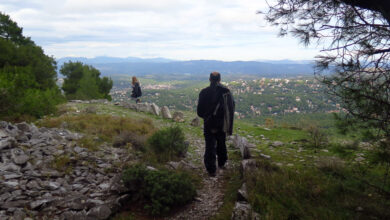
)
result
[(215, 146)]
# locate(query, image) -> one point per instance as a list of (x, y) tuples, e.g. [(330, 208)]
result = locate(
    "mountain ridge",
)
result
[(150, 66)]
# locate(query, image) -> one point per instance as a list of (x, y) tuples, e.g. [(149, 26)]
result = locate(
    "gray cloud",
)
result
[(178, 29)]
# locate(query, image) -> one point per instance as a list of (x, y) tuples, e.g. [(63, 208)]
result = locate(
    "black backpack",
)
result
[(222, 111)]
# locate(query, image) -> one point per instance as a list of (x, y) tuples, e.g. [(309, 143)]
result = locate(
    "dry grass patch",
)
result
[(313, 193), (330, 164), (105, 127), (88, 142)]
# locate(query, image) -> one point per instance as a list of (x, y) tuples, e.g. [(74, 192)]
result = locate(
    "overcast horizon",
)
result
[(172, 29)]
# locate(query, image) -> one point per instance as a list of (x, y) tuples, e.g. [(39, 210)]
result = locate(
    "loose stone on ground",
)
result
[(31, 186)]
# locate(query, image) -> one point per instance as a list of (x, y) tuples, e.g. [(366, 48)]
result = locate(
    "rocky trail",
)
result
[(45, 174), (210, 195)]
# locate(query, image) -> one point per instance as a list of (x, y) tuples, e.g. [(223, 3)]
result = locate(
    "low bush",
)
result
[(168, 144), (137, 141), (317, 137), (16, 103), (160, 190)]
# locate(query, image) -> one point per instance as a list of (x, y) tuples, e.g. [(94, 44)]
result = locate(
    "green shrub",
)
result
[(38, 103), (20, 95), (27, 76), (317, 137), (168, 144), (159, 190)]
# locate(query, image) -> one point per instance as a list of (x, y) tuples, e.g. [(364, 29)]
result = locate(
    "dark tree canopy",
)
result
[(84, 82), (356, 35), (27, 76), (10, 30)]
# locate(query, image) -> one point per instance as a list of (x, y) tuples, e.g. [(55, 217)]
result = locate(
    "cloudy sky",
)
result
[(176, 29)]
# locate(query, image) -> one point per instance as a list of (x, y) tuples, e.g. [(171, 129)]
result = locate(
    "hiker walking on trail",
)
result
[(216, 107), (136, 93)]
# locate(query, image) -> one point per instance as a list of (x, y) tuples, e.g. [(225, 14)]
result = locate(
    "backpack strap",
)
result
[(226, 113), (216, 108)]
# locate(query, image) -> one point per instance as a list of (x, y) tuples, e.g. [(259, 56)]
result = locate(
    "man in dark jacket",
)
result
[(216, 107)]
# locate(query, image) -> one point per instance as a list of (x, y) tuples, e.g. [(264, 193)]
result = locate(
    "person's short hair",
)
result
[(215, 77)]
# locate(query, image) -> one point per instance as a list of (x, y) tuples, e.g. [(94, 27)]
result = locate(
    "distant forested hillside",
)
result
[(195, 68)]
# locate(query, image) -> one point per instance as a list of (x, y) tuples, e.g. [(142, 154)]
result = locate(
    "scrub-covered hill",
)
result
[(99, 160)]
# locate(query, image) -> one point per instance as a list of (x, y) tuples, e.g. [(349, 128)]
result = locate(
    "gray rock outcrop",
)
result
[(44, 174), (166, 113), (243, 211), (248, 167), (155, 109), (144, 107), (149, 108), (195, 122), (242, 144), (93, 101), (243, 193), (178, 116), (277, 144)]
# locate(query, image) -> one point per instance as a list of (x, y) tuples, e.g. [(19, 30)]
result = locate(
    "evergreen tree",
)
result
[(84, 82), (10, 30), (105, 87), (73, 72), (27, 76), (357, 38), (88, 87)]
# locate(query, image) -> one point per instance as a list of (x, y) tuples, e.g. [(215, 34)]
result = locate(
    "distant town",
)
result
[(256, 97)]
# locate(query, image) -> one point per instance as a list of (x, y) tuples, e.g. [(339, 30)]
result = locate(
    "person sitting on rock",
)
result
[(216, 107), (136, 93)]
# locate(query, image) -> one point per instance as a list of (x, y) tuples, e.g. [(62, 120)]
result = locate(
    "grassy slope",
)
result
[(308, 182), (299, 182)]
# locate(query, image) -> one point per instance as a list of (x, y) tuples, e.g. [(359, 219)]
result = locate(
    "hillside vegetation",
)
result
[(289, 101), (303, 169), (27, 76), (84, 82), (337, 179)]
